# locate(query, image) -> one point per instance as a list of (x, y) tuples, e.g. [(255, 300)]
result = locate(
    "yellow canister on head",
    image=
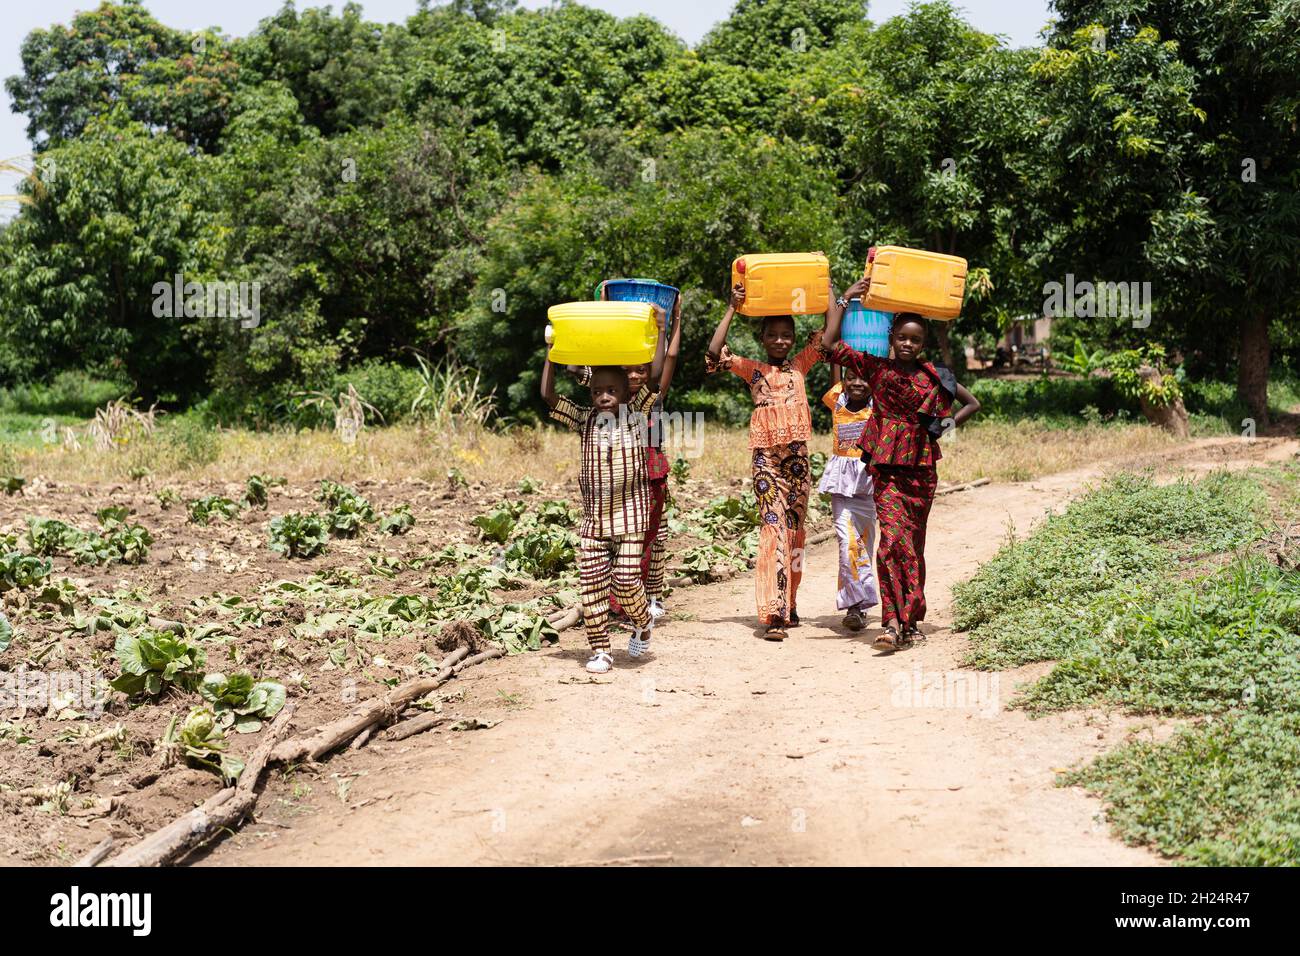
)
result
[(602, 333), (783, 283), (913, 280)]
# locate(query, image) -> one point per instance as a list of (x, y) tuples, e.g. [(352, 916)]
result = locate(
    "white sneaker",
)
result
[(657, 610), (600, 662), (638, 645)]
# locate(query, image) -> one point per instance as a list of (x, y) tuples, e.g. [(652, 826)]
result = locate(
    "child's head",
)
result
[(856, 388), (609, 388), (908, 336), (637, 375), (777, 336)]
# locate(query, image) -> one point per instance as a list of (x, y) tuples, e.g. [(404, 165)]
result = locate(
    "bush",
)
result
[(1046, 397), (389, 387), (69, 393)]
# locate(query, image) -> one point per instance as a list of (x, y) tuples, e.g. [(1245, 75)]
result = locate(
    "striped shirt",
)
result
[(615, 496)]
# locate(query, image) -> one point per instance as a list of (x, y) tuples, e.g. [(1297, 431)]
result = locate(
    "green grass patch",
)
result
[(1222, 793), (1032, 600)]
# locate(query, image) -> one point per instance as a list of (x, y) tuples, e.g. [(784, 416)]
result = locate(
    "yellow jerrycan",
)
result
[(783, 283), (602, 333), (912, 280)]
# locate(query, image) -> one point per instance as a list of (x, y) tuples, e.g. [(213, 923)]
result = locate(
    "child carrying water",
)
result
[(615, 498), (847, 479), (912, 401), (779, 430)]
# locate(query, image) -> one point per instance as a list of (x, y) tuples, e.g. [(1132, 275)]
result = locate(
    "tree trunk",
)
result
[(1252, 365), (1171, 417)]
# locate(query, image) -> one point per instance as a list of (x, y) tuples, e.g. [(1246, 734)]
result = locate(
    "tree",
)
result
[(1202, 155), (118, 53), (125, 210)]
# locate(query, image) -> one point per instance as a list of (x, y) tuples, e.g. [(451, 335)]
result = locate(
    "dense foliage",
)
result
[(428, 188)]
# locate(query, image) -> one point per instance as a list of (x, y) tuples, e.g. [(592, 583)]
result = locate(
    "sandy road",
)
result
[(725, 748)]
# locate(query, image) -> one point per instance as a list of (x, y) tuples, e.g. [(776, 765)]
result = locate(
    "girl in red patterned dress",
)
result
[(912, 408)]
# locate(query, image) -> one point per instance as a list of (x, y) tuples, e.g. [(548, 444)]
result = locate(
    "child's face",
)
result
[(637, 375), (908, 340), (778, 337), (856, 387), (608, 389)]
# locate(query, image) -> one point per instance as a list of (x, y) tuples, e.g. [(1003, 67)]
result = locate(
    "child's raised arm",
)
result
[(655, 380), (549, 394), (835, 311), (674, 349), (720, 335)]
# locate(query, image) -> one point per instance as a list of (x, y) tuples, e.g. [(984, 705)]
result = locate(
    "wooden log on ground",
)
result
[(413, 726), (222, 810), (98, 853), (384, 709)]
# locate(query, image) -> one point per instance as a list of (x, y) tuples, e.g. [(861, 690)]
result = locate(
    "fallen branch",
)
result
[(222, 810), (97, 854), (977, 483), (413, 726)]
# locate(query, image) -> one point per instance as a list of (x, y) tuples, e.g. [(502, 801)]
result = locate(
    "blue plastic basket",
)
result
[(643, 290), (640, 290), (866, 330)]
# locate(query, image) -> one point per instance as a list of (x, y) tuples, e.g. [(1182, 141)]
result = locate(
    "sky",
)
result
[(1018, 21)]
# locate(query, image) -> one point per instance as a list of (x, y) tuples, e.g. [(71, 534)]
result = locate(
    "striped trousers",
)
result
[(605, 564)]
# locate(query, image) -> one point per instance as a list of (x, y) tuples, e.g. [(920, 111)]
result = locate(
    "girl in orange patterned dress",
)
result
[(779, 430)]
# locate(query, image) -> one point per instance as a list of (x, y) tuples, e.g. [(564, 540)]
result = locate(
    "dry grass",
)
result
[(1001, 451)]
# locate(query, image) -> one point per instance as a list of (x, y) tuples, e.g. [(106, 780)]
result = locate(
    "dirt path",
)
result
[(724, 748)]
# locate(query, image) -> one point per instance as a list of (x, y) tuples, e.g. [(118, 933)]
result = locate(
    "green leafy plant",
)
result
[(529, 486), (515, 629), (12, 484), (21, 571), (46, 536), (702, 563), (168, 497), (113, 516), (1081, 361), (256, 490), (241, 702), (298, 535), (1126, 367), (203, 510), (200, 743), (681, 469), (398, 521), (155, 660), (497, 524), (543, 553), (6, 633)]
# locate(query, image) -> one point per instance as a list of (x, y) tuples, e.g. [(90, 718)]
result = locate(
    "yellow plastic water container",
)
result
[(913, 280), (783, 283), (602, 333)]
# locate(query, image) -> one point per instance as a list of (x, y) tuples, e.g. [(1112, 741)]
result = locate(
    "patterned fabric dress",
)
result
[(848, 481), (615, 511), (779, 430), (902, 455)]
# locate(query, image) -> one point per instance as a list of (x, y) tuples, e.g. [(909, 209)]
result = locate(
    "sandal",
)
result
[(794, 618), (914, 635), (853, 620), (888, 640), (775, 632)]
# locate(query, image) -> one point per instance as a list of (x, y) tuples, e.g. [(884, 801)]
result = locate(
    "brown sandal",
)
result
[(775, 632), (887, 641)]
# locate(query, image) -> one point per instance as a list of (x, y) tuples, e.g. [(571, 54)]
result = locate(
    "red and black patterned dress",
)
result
[(902, 454)]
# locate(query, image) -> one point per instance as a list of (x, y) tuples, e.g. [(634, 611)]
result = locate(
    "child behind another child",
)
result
[(847, 479)]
